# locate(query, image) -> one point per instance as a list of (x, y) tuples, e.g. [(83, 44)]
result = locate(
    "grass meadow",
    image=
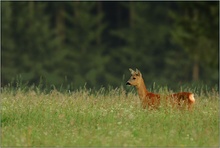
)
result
[(111, 117)]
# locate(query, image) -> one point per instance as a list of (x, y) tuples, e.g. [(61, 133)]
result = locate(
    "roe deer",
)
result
[(153, 100)]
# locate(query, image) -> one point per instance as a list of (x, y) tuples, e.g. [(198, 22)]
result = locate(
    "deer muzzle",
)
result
[(128, 83)]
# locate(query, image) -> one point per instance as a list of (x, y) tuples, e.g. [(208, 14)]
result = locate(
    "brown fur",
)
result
[(153, 100), (182, 98)]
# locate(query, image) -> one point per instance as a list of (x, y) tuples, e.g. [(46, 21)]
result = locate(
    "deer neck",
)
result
[(141, 89)]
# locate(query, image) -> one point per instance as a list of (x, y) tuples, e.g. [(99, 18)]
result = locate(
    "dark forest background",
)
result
[(94, 43)]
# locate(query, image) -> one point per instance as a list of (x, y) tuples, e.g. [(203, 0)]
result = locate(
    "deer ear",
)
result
[(138, 72), (132, 71)]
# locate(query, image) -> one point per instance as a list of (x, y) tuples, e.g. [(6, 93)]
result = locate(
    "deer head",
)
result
[(135, 79)]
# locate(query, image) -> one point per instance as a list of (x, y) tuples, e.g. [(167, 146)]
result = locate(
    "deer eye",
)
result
[(134, 78)]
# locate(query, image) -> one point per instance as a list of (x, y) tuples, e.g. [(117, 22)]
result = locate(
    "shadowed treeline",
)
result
[(94, 43)]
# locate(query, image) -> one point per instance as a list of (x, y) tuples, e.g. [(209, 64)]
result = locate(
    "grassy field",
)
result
[(104, 118)]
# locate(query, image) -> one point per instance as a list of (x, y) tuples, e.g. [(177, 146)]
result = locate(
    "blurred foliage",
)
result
[(73, 44)]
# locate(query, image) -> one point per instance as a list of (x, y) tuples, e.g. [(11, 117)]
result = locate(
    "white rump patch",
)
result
[(191, 98)]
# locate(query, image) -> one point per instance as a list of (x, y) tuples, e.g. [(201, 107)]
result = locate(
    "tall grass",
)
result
[(112, 117)]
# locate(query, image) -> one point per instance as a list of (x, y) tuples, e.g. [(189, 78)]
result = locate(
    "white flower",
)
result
[(119, 123)]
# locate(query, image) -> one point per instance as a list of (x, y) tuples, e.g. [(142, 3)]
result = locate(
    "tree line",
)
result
[(94, 43)]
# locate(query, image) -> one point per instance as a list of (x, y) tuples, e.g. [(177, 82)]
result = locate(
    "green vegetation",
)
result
[(51, 49), (110, 117), (73, 43)]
